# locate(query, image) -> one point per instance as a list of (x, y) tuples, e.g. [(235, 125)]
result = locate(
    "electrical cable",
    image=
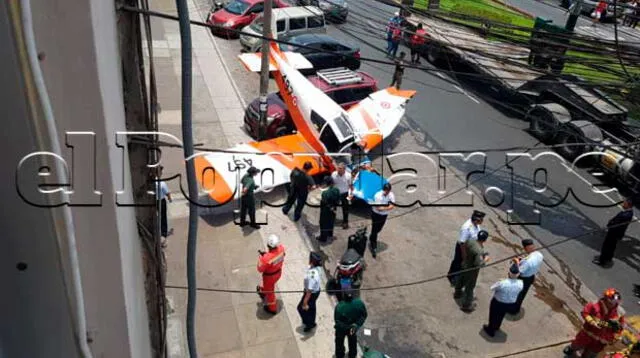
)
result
[(198, 23), (156, 250), (505, 60), (416, 282), (580, 61), (575, 37), (363, 289), (187, 138), (506, 40), (378, 287), (615, 31), (142, 140), (367, 28), (536, 348), (63, 223)]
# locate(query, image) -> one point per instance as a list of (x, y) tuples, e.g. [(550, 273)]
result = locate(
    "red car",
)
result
[(237, 14), (351, 88)]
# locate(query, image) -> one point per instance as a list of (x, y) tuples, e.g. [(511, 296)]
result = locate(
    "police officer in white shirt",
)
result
[(342, 181), (504, 297), (529, 266), (380, 208), (468, 231), (312, 283)]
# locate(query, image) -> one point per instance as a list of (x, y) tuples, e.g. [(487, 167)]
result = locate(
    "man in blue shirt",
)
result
[(393, 27), (504, 297), (529, 267)]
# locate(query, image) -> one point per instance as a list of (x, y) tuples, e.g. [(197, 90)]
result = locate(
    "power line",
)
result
[(417, 282), (199, 23), (570, 59)]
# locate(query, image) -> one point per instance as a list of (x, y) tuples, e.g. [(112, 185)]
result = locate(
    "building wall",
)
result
[(82, 72)]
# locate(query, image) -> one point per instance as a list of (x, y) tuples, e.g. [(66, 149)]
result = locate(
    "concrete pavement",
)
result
[(227, 325)]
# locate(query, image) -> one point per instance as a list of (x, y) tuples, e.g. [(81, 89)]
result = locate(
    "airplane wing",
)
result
[(219, 173), (376, 116), (253, 61)]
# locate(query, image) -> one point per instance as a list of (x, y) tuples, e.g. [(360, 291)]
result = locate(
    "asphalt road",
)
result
[(452, 120)]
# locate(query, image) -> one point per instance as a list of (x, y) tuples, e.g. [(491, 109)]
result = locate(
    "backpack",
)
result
[(396, 33), (418, 37)]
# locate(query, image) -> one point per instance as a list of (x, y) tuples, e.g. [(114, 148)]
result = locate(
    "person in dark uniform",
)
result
[(468, 231), (475, 258), (312, 283), (399, 71), (504, 297), (349, 315), (248, 200), (617, 227), (329, 202), (301, 183)]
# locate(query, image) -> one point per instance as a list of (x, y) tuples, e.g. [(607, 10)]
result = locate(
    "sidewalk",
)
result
[(227, 325)]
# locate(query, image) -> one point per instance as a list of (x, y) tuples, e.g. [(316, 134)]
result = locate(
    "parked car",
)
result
[(237, 14), (344, 86), (588, 6), (288, 22), (341, 55), (334, 10)]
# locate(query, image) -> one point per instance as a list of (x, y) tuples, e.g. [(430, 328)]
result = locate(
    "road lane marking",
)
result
[(466, 94), (588, 182)]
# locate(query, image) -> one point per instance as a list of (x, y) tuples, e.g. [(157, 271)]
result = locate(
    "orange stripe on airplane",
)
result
[(371, 124), (401, 93), (298, 119), (294, 143), (211, 181)]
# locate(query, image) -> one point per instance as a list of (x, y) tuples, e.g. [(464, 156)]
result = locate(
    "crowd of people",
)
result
[(468, 259), (395, 32), (350, 313)]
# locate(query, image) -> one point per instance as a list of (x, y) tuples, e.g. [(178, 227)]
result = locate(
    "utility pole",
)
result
[(264, 70)]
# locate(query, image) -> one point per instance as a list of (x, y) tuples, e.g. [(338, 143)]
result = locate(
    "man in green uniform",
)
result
[(475, 258), (248, 200), (349, 315), (328, 203)]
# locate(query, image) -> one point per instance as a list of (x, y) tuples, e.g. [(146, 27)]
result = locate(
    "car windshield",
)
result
[(256, 25), (237, 7)]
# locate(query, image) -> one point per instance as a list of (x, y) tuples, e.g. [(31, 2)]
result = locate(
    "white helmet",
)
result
[(273, 241)]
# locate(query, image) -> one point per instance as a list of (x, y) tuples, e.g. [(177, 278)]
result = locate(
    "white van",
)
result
[(288, 22)]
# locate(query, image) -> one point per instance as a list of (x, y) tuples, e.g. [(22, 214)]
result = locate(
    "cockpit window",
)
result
[(330, 140), (317, 120), (343, 126)]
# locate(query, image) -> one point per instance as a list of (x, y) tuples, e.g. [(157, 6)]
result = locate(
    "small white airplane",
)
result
[(324, 132)]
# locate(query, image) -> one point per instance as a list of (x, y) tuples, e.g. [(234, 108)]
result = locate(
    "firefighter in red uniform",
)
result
[(603, 326), (270, 265)]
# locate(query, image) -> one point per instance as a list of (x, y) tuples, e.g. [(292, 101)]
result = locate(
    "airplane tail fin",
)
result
[(252, 61)]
